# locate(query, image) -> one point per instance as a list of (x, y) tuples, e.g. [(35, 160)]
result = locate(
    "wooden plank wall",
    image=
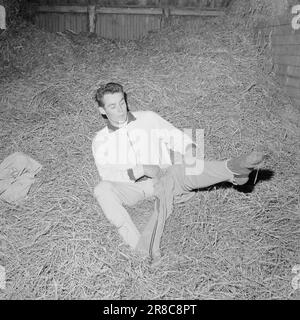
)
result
[(108, 25), (284, 43), (129, 23), (58, 22), (126, 26), (111, 23)]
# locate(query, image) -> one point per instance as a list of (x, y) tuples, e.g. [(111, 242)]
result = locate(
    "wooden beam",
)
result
[(62, 9), (108, 10), (92, 18), (111, 10), (130, 10), (195, 12)]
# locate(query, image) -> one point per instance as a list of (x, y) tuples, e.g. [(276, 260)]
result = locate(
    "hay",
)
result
[(227, 243)]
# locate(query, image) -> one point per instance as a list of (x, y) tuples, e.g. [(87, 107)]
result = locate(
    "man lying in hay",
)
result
[(132, 155)]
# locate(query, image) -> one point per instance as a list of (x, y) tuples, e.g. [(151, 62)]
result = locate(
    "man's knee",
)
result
[(102, 190)]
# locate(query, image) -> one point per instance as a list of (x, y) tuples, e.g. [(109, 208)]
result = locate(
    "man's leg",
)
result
[(112, 195), (234, 170), (213, 172)]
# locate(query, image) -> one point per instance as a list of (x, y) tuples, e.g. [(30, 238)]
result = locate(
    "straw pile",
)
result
[(226, 243)]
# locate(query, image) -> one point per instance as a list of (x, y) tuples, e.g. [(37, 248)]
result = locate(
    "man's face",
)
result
[(115, 107)]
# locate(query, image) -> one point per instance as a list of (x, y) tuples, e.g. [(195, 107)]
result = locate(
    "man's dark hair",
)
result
[(110, 87)]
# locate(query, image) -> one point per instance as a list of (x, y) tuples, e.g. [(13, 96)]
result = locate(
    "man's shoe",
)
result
[(242, 166)]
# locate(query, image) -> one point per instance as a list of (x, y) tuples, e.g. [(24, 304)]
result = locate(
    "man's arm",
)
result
[(115, 172), (139, 171), (107, 170), (175, 139)]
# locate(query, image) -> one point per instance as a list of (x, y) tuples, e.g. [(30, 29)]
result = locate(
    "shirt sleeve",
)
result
[(174, 138)]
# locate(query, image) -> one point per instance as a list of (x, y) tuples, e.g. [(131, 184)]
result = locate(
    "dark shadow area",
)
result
[(262, 175), (259, 175)]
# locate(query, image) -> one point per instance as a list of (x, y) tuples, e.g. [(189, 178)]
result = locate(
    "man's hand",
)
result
[(148, 170), (152, 171)]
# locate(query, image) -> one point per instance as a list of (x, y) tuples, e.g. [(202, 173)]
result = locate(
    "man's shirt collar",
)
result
[(112, 128)]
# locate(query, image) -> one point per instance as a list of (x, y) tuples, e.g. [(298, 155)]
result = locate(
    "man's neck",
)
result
[(115, 126), (119, 124)]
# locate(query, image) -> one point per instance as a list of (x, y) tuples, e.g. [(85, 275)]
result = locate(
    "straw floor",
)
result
[(226, 243)]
